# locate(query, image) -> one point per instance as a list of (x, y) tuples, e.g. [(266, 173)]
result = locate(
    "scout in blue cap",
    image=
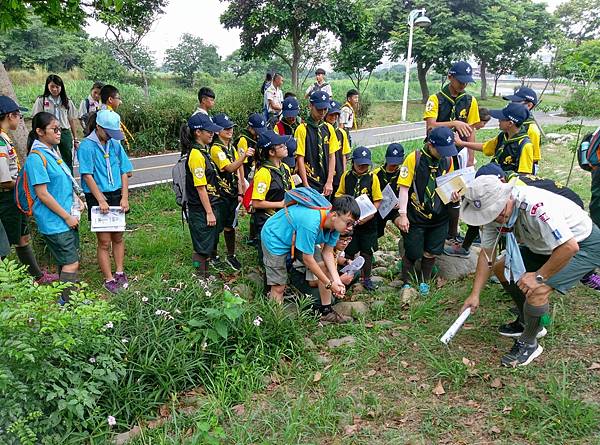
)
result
[(248, 139), (359, 180), (229, 163), (104, 166), (317, 144), (388, 174), (511, 149), (14, 227), (332, 117), (423, 216), (289, 120), (205, 208), (528, 97), (272, 179)]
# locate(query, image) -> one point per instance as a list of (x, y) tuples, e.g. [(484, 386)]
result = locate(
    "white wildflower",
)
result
[(144, 299), (204, 345), (257, 321), (111, 421), (124, 340), (92, 360), (109, 325)]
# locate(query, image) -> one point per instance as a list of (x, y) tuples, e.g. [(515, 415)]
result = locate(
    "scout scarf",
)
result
[(106, 154)]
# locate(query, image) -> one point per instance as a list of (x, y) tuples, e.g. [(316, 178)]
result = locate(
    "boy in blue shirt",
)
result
[(311, 228)]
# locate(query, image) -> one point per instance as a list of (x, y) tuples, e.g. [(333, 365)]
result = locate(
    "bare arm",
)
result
[(302, 169), (482, 273), (91, 183), (262, 204), (328, 188), (125, 192), (330, 263), (460, 127)]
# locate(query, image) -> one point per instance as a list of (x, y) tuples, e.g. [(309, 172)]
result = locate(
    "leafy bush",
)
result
[(57, 361), (585, 101)]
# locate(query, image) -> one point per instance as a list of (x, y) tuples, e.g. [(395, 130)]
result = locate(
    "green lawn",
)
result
[(380, 389)]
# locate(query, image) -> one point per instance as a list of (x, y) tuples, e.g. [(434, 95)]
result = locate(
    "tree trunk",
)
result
[(145, 79), (482, 69), (496, 78), (19, 136), (296, 54), (422, 75)]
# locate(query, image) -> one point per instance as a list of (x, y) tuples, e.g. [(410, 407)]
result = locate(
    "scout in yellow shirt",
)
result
[(317, 144), (332, 117), (512, 148), (528, 97), (423, 216), (359, 180), (231, 181)]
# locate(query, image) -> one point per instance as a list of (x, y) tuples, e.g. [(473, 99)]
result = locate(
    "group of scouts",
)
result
[(549, 240)]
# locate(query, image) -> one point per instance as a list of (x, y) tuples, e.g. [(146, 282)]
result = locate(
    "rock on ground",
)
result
[(351, 308), (453, 268), (337, 342)]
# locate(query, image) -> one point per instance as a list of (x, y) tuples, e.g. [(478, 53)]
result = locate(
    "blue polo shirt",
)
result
[(92, 161), (59, 185), (277, 232)]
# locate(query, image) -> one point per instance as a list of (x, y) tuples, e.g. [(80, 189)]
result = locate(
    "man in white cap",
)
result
[(557, 245)]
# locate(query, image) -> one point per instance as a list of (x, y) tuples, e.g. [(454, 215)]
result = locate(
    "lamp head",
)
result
[(422, 22)]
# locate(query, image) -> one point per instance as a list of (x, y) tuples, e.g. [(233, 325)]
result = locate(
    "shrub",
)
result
[(57, 361)]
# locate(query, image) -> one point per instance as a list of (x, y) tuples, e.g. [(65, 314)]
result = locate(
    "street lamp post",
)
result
[(416, 17)]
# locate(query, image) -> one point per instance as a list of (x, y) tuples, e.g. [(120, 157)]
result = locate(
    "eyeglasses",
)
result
[(56, 130), (350, 223), (17, 114)]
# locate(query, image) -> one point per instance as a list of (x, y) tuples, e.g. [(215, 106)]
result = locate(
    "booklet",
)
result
[(356, 264), (113, 221), (367, 208), (456, 184), (467, 174), (389, 201)]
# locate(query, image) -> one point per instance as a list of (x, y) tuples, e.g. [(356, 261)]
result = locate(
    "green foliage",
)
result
[(38, 44), (99, 63), (56, 360), (580, 62), (579, 19), (192, 55)]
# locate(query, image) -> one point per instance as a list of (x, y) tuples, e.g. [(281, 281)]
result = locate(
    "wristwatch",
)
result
[(328, 285), (540, 279)]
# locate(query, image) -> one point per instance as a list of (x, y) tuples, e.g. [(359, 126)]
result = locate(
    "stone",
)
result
[(256, 278), (409, 295), (396, 283), (243, 290), (386, 289), (452, 268), (381, 270), (377, 279), (309, 344), (351, 308), (377, 304), (385, 324), (337, 342)]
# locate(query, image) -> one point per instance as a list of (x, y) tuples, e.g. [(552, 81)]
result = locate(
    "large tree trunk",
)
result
[(496, 78), (483, 73), (296, 53), (19, 136), (422, 75)]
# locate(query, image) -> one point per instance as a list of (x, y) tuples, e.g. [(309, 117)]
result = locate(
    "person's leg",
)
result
[(66, 147), (4, 244), (103, 255), (276, 273), (470, 236), (413, 250), (64, 248), (595, 199), (202, 241), (118, 251), (454, 212), (434, 238)]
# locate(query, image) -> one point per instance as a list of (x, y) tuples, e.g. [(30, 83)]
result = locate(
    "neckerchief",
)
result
[(513, 263), (50, 151), (93, 136), (433, 164), (354, 123), (11, 147), (448, 95), (57, 103), (124, 129), (318, 125), (281, 170), (358, 177)]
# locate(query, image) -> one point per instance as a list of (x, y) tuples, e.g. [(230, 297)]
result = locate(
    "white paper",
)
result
[(463, 158), (113, 221), (389, 201), (467, 174), (366, 206), (451, 332), (356, 264), (237, 214)]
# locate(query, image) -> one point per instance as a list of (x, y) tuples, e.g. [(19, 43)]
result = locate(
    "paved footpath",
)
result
[(156, 169)]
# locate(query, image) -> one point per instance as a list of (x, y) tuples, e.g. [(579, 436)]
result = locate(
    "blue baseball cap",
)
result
[(7, 105), (110, 123), (462, 71), (201, 121), (491, 169), (256, 121), (442, 139), (320, 100), (268, 139), (523, 94), (290, 107), (514, 112), (223, 120), (334, 107), (394, 154), (362, 156)]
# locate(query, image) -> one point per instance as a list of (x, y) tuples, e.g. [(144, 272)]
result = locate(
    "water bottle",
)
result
[(583, 155)]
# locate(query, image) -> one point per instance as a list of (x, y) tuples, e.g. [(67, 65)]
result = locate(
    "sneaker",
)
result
[(334, 317), (455, 239), (47, 278), (424, 289), (592, 280), (233, 262), (216, 263), (112, 286), (369, 285), (477, 241), (121, 279), (456, 250), (521, 354), (252, 242), (515, 329), (494, 279)]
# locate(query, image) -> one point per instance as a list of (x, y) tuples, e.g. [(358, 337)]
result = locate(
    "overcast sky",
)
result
[(200, 18)]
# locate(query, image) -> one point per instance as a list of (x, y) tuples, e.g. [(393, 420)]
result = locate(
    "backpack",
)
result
[(307, 197), (588, 153), (23, 198), (178, 174)]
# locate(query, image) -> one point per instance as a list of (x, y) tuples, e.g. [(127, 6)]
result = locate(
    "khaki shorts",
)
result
[(275, 267)]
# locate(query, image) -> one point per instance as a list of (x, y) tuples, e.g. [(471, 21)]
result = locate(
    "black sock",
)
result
[(215, 251), (67, 277), (454, 213), (229, 236), (533, 315), (470, 236), (201, 265), (368, 266), (407, 269), (27, 257), (426, 268), (252, 231), (517, 296), (325, 309)]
